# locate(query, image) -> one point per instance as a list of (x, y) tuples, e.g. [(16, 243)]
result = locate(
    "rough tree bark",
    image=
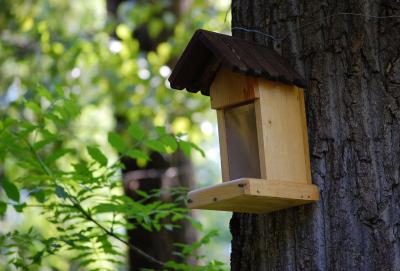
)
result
[(352, 66)]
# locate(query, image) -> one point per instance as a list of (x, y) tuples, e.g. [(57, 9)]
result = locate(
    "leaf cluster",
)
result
[(83, 201)]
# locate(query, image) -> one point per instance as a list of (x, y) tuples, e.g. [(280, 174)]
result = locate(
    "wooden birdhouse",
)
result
[(261, 121)]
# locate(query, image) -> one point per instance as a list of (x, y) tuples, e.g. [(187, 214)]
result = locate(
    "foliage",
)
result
[(84, 201), (60, 62)]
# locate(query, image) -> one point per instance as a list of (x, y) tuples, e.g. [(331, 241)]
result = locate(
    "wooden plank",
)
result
[(260, 139), (253, 196), (282, 131), (223, 146), (305, 134), (230, 89)]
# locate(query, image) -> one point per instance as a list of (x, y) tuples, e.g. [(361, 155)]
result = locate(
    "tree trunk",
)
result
[(352, 66)]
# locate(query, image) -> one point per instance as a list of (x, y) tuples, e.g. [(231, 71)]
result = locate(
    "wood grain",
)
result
[(230, 89), (352, 69), (283, 132), (253, 196), (223, 146)]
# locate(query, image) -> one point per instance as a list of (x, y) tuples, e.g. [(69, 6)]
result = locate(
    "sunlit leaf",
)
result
[(43, 92), (107, 208), (197, 148), (185, 147), (155, 145), (34, 107), (137, 154), (123, 31), (170, 142), (136, 131), (161, 130), (57, 154), (116, 141)]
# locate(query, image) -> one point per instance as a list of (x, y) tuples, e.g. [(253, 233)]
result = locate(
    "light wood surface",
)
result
[(260, 139), (305, 134), (253, 196), (230, 89), (283, 135), (223, 146)]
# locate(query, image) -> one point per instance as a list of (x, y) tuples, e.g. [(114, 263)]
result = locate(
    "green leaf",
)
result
[(137, 154), (155, 145), (3, 208), (60, 192), (107, 208), (170, 142), (71, 107), (97, 155), (34, 107), (141, 193), (57, 154), (37, 258), (42, 91), (19, 207), (161, 130), (40, 195), (42, 143), (116, 141), (11, 190), (59, 90), (197, 148), (185, 147), (136, 131)]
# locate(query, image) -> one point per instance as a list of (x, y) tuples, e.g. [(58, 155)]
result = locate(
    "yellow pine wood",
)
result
[(230, 89), (283, 133), (253, 196), (223, 146), (281, 127)]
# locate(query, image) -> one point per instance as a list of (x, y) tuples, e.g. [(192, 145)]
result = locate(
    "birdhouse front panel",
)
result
[(262, 127), (233, 96)]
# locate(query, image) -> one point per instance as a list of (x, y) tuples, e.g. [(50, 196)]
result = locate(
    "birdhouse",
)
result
[(262, 126)]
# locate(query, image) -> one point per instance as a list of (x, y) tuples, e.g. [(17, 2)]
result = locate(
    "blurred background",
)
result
[(116, 56)]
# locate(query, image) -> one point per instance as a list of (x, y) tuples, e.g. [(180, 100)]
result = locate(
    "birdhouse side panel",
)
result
[(231, 89), (283, 142), (223, 146)]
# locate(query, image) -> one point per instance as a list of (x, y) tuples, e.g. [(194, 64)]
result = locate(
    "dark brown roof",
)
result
[(207, 51)]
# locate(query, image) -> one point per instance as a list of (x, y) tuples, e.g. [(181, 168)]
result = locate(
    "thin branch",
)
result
[(134, 248)]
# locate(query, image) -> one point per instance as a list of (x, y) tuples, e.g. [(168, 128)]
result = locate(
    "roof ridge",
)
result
[(195, 69)]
